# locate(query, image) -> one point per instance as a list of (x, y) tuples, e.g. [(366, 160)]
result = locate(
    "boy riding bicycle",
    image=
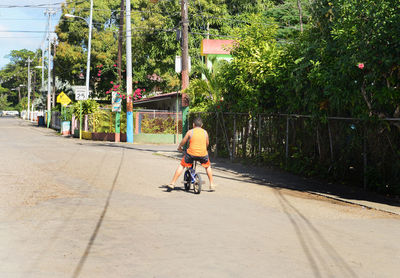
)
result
[(198, 144)]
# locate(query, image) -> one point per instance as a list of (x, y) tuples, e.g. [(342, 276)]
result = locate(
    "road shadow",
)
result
[(181, 189), (320, 253), (277, 178), (92, 239), (142, 148), (272, 177)]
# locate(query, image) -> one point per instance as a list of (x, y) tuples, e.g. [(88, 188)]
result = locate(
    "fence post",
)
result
[(318, 143), (287, 140), (365, 161), (216, 136), (86, 123), (226, 136), (136, 122), (234, 136), (259, 135), (330, 140)]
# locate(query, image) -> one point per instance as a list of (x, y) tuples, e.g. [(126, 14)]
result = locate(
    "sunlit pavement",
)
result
[(72, 208)]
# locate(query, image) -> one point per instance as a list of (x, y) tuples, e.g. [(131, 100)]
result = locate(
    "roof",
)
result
[(209, 46), (155, 98)]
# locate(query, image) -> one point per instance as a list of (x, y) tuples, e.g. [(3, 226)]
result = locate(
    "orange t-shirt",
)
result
[(198, 142)]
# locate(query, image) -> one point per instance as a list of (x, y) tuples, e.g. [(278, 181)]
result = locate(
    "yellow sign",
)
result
[(63, 99)]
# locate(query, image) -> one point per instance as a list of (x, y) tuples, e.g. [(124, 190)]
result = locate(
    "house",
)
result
[(217, 49), (170, 102)]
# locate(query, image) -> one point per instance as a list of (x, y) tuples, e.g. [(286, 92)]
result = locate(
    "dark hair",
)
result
[(198, 122)]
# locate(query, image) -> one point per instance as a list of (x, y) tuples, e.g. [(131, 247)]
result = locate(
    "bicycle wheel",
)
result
[(186, 180), (197, 184)]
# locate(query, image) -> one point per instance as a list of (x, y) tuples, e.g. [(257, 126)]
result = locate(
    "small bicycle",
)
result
[(192, 178)]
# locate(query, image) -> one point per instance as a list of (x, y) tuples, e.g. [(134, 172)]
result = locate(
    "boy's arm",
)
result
[(207, 140), (184, 140)]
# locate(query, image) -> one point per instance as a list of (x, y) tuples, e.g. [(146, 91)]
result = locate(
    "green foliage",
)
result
[(323, 73), (89, 106), (206, 93), (4, 103), (158, 125), (286, 15), (250, 77), (15, 74), (154, 39)]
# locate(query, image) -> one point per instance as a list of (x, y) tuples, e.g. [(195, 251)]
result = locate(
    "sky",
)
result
[(24, 19)]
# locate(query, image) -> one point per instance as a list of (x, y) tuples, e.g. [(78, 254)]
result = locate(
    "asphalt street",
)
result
[(76, 208)]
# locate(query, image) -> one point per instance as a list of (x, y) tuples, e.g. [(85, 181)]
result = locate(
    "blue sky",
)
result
[(23, 19)]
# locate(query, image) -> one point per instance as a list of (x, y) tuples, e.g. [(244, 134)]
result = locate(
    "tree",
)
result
[(206, 93), (4, 104), (15, 73), (251, 74)]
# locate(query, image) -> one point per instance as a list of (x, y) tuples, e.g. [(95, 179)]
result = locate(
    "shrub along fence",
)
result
[(350, 150), (150, 126)]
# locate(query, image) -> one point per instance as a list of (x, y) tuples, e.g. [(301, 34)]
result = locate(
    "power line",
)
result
[(24, 31), (45, 5), (24, 37)]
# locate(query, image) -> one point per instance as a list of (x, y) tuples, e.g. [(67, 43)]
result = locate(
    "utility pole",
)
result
[(49, 13), (33, 93), (19, 94), (185, 65), (89, 48), (90, 24), (54, 74), (43, 65), (120, 39), (117, 136), (29, 86), (129, 104)]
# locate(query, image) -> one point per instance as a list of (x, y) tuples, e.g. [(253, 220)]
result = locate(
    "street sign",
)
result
[(63, 99), (116, 102), (178, 64), (80, 92)]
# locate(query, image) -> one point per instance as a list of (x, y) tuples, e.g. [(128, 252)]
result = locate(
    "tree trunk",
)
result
[(300, 15)]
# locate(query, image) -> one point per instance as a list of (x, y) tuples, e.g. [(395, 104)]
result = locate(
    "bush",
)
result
[(159, 125)]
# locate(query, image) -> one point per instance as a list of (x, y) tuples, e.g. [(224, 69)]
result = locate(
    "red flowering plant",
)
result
[(117, 86)]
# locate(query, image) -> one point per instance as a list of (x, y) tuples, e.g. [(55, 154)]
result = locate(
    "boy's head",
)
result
[(198, 122)]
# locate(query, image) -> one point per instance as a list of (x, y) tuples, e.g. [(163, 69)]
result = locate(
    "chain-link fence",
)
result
[(351, 150)]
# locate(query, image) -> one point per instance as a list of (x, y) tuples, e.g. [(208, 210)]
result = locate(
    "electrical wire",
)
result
[(24, 31), (41, 6)]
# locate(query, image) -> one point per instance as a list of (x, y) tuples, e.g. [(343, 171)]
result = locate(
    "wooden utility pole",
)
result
[(120, 39), (54, 75), (117, 137), (33, 87), (185, 64), (185, 49), (129, 104), (29, 88)]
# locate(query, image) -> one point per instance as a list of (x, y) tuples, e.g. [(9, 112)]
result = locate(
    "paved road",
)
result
[(71, 208)]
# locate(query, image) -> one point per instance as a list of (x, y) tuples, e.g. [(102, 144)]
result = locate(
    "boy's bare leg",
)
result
[(210, 177), (178, 172)]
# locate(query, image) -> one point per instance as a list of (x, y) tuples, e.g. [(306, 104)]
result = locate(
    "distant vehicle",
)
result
[(10, 113)]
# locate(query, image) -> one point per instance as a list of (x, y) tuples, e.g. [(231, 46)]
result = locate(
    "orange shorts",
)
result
[(187, 160)]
